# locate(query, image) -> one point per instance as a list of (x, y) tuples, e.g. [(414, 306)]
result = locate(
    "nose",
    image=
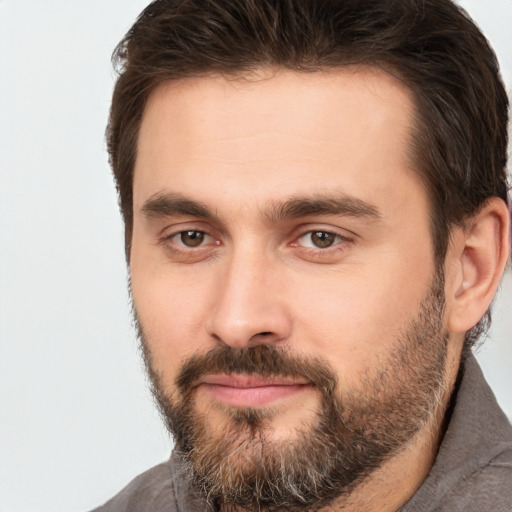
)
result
[(249, 307)]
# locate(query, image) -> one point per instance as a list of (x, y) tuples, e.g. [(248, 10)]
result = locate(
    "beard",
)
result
[(239, 467)]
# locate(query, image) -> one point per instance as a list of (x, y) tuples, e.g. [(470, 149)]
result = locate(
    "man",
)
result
[(315, 201)]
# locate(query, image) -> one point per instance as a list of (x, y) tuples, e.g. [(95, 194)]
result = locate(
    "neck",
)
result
[(396, 481)]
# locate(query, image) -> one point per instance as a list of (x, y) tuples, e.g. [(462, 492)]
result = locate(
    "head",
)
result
[(459, 140), (301, 184)]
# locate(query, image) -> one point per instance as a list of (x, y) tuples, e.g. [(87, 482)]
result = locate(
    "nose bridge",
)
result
[(248, 307)]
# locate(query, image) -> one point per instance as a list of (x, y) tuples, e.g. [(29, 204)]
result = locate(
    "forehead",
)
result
[(277, 133)]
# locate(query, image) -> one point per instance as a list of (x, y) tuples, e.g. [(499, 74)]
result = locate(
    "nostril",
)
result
[(266, 333)]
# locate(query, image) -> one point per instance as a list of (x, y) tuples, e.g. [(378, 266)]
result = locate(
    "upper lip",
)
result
[(251, 381)]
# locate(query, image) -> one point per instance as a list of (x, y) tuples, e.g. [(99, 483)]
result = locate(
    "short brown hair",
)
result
[(460, 135)]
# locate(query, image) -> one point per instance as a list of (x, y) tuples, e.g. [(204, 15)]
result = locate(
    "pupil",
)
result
[(192, 238), (322, 239)]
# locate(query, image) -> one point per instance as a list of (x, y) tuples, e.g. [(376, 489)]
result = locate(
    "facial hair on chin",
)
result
[(354, 432)]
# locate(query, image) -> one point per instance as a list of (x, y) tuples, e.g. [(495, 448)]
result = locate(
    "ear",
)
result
[(476, 261)]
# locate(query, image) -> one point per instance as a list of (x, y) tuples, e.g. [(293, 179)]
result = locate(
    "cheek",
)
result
[(357, 317), (171, 311)]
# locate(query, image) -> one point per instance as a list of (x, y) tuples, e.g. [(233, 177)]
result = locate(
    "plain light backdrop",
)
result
[(76, 419)]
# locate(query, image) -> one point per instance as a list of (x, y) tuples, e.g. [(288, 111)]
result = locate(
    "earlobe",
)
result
[(481, 251)]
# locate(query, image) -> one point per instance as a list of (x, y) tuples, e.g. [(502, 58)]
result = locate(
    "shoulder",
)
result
[(152, 491), (473, 468), (487, 489)]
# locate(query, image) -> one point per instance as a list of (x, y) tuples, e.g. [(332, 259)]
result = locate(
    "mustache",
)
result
[(262, 360)]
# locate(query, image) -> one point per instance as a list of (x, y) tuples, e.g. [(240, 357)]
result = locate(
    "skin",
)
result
[(241, 149)]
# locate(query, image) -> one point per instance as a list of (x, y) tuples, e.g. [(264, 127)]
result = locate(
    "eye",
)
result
[(189, 245), (190, 238), (319, 239)]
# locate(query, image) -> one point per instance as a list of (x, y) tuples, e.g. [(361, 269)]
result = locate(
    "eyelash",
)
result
[(338, 240), (168, 240)]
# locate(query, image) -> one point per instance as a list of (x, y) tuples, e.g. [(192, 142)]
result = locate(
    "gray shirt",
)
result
[(472, 471)]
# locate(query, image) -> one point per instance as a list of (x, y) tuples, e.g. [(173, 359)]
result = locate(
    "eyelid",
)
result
[(180, 225), (306, 229), (169, 232)]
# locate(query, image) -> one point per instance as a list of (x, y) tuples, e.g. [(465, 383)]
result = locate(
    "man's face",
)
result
[(282, 266)]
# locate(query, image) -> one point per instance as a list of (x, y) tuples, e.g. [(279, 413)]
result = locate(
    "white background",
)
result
[(76, 420)]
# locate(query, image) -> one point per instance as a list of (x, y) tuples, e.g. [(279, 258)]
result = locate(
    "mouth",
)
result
[(251, 390)]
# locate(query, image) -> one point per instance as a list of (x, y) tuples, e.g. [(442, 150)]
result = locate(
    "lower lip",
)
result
[(254, 396)]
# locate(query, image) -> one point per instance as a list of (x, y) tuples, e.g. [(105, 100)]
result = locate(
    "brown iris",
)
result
[(322, 239), (192, 238)]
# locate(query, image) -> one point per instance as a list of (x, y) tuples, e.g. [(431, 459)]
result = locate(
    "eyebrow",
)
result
[(171, 204), (338, 204), (168, 204)]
